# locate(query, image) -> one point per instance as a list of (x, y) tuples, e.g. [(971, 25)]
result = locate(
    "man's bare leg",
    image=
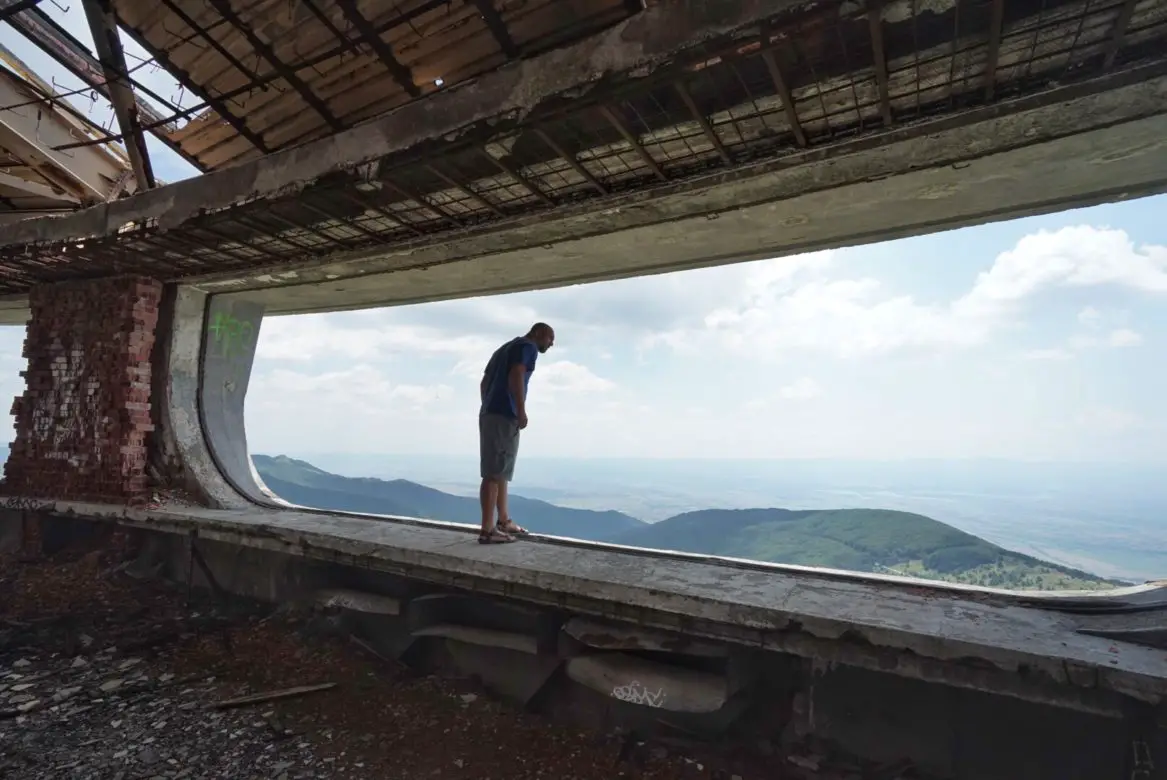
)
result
[(504, 515), (488, 498), (505, 524)]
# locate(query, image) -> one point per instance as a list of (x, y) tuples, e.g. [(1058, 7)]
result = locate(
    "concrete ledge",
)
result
[(356, 601), (636, 681), (610, 636), (930, 634), (484, 637)]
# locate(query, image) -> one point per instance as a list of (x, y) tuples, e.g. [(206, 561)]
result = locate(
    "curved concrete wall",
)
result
[(208, 354)]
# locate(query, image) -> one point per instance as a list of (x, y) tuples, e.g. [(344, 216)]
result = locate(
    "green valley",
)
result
[(866, 540)]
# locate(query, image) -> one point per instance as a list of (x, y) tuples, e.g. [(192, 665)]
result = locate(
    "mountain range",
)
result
[(867, 540)]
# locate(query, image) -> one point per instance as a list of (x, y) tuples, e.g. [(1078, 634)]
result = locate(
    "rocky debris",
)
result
[(107, 677)]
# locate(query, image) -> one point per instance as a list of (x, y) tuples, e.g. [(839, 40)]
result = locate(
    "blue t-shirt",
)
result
[(498, 398)]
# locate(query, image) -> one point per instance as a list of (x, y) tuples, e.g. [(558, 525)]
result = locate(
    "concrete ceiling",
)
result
[(664, 107)]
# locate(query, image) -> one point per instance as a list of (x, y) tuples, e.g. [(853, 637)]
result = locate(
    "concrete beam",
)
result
[(108, 44), (32, 130), (630, 49), (32, 189), (985, 641), (915, 180)]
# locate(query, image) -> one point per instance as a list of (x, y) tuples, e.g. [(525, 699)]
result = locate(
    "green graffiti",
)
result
[(230, 335)]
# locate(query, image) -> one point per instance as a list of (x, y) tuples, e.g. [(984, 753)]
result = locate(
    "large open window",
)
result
[(979, 406), (11, 383)]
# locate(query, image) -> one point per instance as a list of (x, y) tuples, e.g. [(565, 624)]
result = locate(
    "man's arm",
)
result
[(482, 388), (517, 384), (522, 363)]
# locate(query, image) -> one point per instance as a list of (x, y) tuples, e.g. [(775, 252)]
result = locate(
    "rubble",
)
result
[(104, 676)]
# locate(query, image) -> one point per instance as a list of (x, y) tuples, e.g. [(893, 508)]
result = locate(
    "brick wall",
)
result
[(83, 420)]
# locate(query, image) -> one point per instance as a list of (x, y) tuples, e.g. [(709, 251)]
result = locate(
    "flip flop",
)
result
[(514, 529), (494, 536)]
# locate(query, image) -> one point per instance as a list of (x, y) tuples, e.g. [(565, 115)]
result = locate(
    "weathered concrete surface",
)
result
[(182, 452), (998, 162), (780, 702), (229, 339), (502, 97), (922, 631), (914, 182)]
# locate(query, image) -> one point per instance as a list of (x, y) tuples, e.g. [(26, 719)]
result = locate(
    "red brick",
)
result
[(84, 420)]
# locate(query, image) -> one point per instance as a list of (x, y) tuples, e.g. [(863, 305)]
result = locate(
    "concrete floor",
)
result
[(964, 637)]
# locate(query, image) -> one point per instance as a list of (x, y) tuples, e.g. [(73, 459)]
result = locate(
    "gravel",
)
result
[(109, 677)]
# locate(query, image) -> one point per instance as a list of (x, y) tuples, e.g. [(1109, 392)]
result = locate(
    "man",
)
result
[(502, 415)]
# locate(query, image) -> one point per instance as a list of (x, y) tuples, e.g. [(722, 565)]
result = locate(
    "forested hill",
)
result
[(869, 540), (302, 483)]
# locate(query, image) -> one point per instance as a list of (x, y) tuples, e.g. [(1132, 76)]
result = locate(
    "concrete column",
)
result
[(83, 421)]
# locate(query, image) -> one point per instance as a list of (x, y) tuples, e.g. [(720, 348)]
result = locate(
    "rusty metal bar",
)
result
[(875, 25), (1120, 24), (352, 225), (107, 45), (272, 213), (477, 198), (783, 93), (15, 8), (400, 73), (706, 127), (572, 161), (212, 231), (254, 221), (498, 28), (994, 52), (633, 141), (353, 197), (416, 196), (205, 34), (217, 103), (223, 7), (332, 28), (526, 184)]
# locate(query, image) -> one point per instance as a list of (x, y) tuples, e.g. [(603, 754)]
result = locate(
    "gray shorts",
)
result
[(498, 446)]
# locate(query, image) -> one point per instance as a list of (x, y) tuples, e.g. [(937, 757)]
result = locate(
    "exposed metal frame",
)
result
[(288, 74), (108, 44), (400, 73), (567, 151), (58, 43), (498, 28)]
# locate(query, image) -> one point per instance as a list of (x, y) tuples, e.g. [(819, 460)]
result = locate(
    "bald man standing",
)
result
[(500, 418)]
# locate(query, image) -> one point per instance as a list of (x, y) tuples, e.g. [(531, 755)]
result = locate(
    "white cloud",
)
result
[(1079, 256), (363, 390), (780, 308), (1054, 353), (1107, 421), (1089, 316), (564, 376), (360, 336), (1124, 337), (764, 337), (1120, 337), (801, 389)]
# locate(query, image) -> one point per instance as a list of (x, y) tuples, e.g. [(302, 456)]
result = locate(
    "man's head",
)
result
[(543, 335)]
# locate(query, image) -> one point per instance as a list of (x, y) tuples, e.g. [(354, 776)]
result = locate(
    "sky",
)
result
[(1033, 339)]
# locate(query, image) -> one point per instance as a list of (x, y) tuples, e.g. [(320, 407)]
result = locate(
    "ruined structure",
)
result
[(377, 153)]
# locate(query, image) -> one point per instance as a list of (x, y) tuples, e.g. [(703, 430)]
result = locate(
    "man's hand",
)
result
[(522, 419)]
